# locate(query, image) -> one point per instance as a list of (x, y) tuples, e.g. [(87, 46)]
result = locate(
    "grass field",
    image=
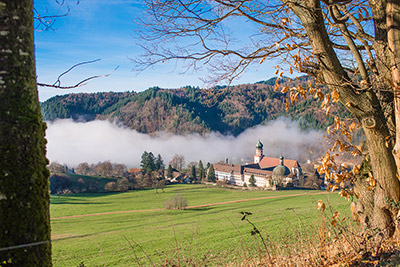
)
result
[(215, 232)]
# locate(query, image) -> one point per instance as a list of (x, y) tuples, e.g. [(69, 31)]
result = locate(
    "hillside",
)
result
[(80, 106), (190, 109)]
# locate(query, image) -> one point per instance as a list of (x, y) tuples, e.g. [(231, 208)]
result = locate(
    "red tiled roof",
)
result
[(268, 162), (133, 170)]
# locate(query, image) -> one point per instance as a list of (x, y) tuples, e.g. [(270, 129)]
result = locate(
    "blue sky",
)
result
[(102, 29)]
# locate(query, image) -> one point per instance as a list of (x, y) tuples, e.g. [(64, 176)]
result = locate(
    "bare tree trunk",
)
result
[(393, 35), (24, 185)]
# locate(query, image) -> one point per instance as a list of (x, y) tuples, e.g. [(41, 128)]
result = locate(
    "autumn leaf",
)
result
[(285, 89), (335, 96), (321, 205)]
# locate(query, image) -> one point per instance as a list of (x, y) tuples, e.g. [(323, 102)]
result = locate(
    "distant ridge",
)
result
[(228, 110)]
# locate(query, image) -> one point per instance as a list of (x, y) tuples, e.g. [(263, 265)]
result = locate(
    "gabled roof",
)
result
[(268, 162), (224, 167)]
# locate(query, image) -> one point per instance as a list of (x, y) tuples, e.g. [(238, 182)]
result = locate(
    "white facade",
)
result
[(261, 181), (230, 177)]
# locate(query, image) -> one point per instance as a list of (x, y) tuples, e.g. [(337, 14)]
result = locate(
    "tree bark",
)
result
[(24, 185), (393, 37)]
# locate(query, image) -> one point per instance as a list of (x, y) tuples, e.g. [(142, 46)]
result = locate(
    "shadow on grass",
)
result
[(200, 208), (77, 203)]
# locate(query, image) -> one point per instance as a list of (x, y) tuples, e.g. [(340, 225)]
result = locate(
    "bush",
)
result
[(65, 192), (110, 187), (58, 183), (177, 202), (123, 185)]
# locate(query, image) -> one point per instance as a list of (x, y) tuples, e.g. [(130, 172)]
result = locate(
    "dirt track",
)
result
[(189, 207)]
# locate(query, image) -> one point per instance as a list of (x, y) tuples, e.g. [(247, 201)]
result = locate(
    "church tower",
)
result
[(259, 152)]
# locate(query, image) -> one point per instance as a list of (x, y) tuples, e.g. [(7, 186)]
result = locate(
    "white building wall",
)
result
[(222, 176), (235, 179), (260, 180)]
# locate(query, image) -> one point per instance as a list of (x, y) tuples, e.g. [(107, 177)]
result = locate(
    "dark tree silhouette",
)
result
[(24, 184)]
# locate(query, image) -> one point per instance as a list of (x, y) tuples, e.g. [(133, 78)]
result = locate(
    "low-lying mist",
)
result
[(72, 142)]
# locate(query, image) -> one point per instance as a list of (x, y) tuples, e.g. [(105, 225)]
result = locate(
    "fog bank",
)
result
[(72, 142)]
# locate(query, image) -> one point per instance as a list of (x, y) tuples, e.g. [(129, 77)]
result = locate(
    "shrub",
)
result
[(65, 192), (111, 186), (177, 202), (123, 185), (58, 183)]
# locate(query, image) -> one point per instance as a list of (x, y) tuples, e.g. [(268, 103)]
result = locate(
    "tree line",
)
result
[(117, 178)]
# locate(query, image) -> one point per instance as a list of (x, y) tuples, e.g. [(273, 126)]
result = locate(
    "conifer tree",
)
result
[(201, 171), (147, 163), (24, 177), (159, 163), (252, 180), (193, 175), (169, 172), (211, 174)]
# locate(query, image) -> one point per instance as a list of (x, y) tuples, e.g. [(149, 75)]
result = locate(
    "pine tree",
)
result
[(193, 175), (147, 163), (169, 172), (151, 162), (201, 171), (252, 180), (159, 163), (211, 174)]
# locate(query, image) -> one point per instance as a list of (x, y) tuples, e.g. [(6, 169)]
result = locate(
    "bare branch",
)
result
[(45, 22), (57, 84)]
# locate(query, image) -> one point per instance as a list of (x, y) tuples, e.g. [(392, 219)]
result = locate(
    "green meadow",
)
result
[(213, 235)]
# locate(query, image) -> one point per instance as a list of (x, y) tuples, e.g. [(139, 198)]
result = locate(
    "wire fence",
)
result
[(43, 242), (25, 245)]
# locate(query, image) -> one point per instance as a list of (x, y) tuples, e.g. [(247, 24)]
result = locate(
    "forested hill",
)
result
[(190, 109)]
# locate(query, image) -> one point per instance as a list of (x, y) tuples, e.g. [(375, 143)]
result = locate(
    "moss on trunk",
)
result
[(24, 186)]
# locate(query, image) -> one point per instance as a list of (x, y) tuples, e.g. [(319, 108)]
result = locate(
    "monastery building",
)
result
[(268, 172)]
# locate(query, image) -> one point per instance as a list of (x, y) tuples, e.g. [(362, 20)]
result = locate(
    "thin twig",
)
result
[(57, 84)]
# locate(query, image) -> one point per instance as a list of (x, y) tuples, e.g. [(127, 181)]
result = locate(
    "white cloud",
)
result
[(75, 142)]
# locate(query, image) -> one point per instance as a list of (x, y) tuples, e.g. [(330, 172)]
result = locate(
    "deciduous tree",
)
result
[(104, 169), (56, 167), (351, 47), (82, 168), (177, 162)]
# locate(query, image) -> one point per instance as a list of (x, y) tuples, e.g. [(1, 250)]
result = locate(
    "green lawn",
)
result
[(216, 231)]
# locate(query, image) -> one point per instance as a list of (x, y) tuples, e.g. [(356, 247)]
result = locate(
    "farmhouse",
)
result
[(268, 172)]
